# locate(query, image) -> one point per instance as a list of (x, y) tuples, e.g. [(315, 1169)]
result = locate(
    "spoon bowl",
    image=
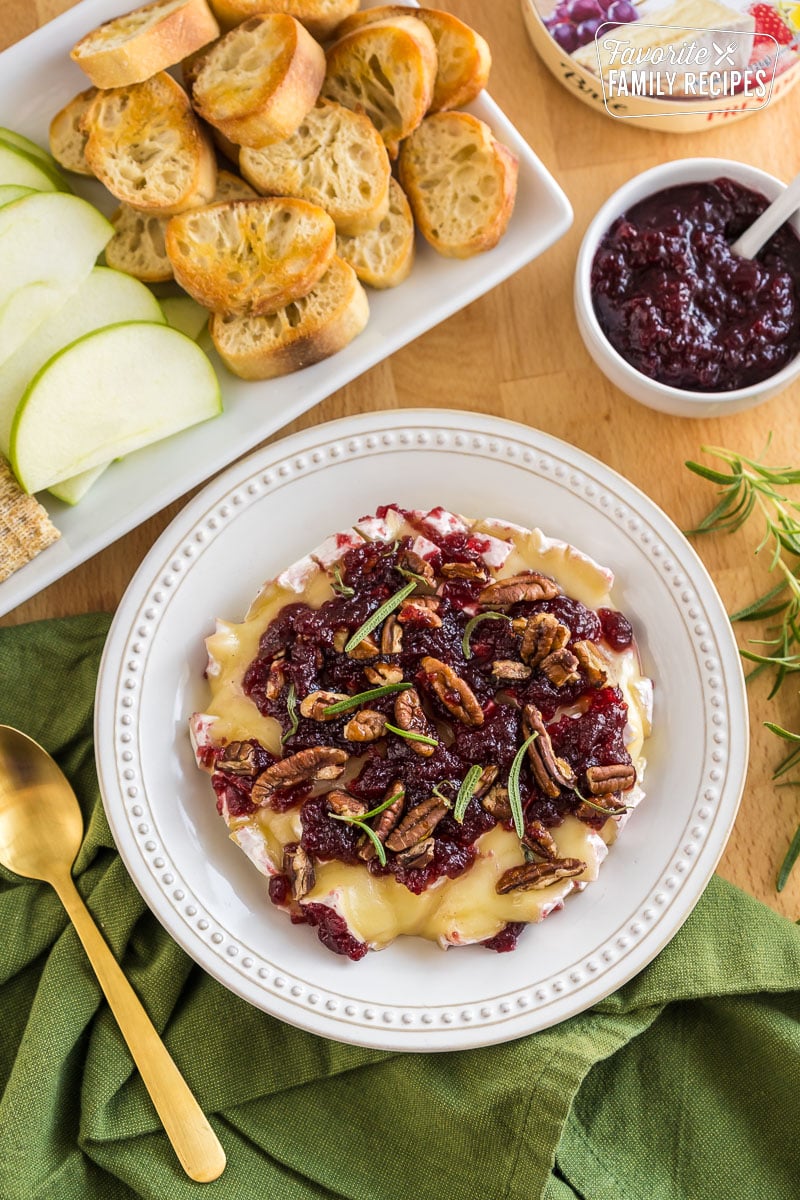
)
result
[(41, 826), (41, 829)]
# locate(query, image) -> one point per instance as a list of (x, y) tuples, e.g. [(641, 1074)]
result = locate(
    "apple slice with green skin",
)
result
[(49, 242), (20, 142), (109, 393), (71, 491), (186, 315), (105, 297), (14, 191), (16, 166)]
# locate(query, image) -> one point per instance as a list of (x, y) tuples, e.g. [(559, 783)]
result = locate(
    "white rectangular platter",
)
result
[(37, 78)]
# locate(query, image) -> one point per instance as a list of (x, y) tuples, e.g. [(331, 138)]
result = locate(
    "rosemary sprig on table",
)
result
[(748, 486)]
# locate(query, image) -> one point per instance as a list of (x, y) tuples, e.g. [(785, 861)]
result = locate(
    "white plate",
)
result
[(36, 79), (264, 513)]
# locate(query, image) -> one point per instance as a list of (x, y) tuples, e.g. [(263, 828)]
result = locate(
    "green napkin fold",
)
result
[(684, 1085)]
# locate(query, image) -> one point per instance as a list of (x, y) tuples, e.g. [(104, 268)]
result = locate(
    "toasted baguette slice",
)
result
[(386, 70), (260, 80), (461, 183), (67, 138), (383, 257), (138, 246), (251, 256), (336, 159), (320, 17), (302, 333), (135, 46), (146, 145), (464, 56)]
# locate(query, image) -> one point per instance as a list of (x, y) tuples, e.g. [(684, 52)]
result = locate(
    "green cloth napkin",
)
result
[(684, 1085)]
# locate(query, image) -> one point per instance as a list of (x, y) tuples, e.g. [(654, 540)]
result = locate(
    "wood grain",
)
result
[(516, 353)]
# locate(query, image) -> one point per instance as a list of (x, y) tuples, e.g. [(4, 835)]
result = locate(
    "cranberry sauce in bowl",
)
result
[(681, 308)]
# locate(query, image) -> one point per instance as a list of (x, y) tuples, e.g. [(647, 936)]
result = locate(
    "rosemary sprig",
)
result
[(514, 797), (291, 708), (465, 792), (339, 585), (411, 737), (386, 689), (361, 822), (747, 487), (792, 855), (472, 622), (379, 615)]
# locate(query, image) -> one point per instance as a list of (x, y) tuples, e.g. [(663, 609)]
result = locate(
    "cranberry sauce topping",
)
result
[(303, 652), (680, 307), (506, 939)]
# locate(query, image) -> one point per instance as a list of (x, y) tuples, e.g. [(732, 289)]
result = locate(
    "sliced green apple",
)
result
[(20, 142), (111, 392), (186, 315), (18, 167), (71, 491), (105, 297), (14, 191), (49, 242)]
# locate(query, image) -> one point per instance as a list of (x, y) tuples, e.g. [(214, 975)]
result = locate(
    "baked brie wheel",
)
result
[(428, 726)]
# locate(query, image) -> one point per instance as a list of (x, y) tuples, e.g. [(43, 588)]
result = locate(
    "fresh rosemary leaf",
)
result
[(465, 792), (375, 812), (376, 841), (409, 574), (291, 708), (780, 732), (412, 737), (379, 615), (709, 473), (514, 797), (472, 622), (339, 585), (792, 855), (607, 812), (386, 689)]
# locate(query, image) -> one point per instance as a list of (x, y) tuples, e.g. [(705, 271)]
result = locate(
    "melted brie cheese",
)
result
[(377, 908)]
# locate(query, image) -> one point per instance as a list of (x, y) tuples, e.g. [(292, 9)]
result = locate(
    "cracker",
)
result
[(25, 527)]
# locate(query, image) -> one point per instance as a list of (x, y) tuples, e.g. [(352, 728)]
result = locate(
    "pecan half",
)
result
[(317, 762), (314, 704), (366, 725), (238, 758), (422, 611), (530, 586), (275, 679), (543, 634), (550, 772), (343, 804), (507, 668), (366, 648), (611, 804), (618, 777), (382, 673), (485, 781), (299, 866), (417, 824), (591, 662), (418, 856), (410, 715), (465, 570), (454, 693), (391, 636), (561, 667), (496, 803), (340, 639), (534, 876), (539, 840), (419, 565), (385, 823)]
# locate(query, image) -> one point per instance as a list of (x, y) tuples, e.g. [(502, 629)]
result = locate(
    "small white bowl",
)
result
[(676, 401)]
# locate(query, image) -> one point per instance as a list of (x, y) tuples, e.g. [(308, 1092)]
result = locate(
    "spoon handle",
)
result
[(770, 221), (192, 1138)]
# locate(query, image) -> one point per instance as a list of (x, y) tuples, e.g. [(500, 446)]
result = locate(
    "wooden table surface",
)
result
[(516, 353)]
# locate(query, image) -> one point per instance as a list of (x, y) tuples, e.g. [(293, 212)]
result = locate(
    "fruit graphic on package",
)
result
[(770, 22), (574, 23)]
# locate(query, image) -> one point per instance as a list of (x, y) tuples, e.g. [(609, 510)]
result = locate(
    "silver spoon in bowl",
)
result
[(770, 221), (41, 830)]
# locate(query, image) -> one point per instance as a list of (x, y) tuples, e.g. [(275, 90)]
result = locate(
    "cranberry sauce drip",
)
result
[(299, 646), (680, 307)]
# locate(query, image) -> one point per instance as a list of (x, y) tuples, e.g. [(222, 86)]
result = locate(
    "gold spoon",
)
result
[(41, 830)]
